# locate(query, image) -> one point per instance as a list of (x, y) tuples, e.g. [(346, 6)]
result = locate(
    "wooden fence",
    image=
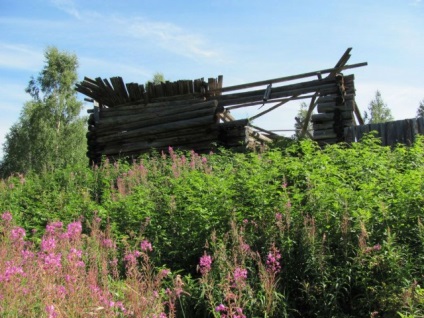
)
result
[(390, 133)]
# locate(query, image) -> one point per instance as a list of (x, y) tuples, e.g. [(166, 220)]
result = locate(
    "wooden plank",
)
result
[(277, 100), (290, 78)]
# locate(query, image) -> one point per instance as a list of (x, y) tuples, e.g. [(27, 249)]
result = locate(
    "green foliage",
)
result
[(346, 219), (378, 112), (49, 133)]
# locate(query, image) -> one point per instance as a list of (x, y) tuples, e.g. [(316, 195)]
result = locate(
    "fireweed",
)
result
[(238, 283), (75, 275)]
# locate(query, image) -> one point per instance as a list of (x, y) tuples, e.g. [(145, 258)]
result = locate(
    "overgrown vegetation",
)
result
[(298, 232)]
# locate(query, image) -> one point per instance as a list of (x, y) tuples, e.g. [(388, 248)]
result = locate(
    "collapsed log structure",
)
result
[(131, 119)]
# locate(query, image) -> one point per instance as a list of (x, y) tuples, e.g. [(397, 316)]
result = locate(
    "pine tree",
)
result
[(378, 112)]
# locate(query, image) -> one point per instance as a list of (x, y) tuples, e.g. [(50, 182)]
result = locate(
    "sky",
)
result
[(245, 41)]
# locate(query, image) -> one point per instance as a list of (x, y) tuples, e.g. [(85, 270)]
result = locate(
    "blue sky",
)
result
[(243, 40)]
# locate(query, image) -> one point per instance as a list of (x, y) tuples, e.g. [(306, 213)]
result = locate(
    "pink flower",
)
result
[(50, 311), (278, 216), (146, 246), (220, 308), (7, 216), (132, 257), (108, 243), (53, 226), (53, 261), (26, 255), (48, 244), (239, 313), (245, 247), (240, 275), (165, 272), (17, 234), (12, 270), (377, 247), (273, 260), (205, 264), (74, 230)]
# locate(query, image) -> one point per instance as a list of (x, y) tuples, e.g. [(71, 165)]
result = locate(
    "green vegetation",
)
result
[(49, 132), (378, 111), (298, 232)]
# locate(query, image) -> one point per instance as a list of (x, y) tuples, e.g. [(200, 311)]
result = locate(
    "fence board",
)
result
[(390, 133)]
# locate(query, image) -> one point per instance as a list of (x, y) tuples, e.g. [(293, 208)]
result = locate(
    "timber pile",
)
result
[(115, 92), (335, 112), (196, 115)]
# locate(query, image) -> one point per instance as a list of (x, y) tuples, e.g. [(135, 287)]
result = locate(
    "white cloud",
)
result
[(22, 57), (67, 6), (167, 36), (172, 37)]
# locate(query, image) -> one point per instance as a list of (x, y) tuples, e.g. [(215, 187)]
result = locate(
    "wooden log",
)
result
[(329, 117), (111, 128), (199, 121), (323, 89), (334, 98), (173, 141), (129, 107), (120, 89), (205, 130), (324, 134), (276, 100), (305, 86), (332, 106), (290, 78), (152, 114)]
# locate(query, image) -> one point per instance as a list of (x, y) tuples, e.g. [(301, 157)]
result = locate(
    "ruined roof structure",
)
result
[(129, 119)]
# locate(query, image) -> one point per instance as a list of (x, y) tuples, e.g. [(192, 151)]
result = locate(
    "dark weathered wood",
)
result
[(322, 89), (206, 120), (332, 106), (290, 78), (151, 113), (307, 87), (113, 127), (307, 118), (324, 134), (276, 100), (329, 116)]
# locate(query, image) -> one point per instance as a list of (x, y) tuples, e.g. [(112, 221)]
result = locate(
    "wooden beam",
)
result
[(292, 77), (311, 108)]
